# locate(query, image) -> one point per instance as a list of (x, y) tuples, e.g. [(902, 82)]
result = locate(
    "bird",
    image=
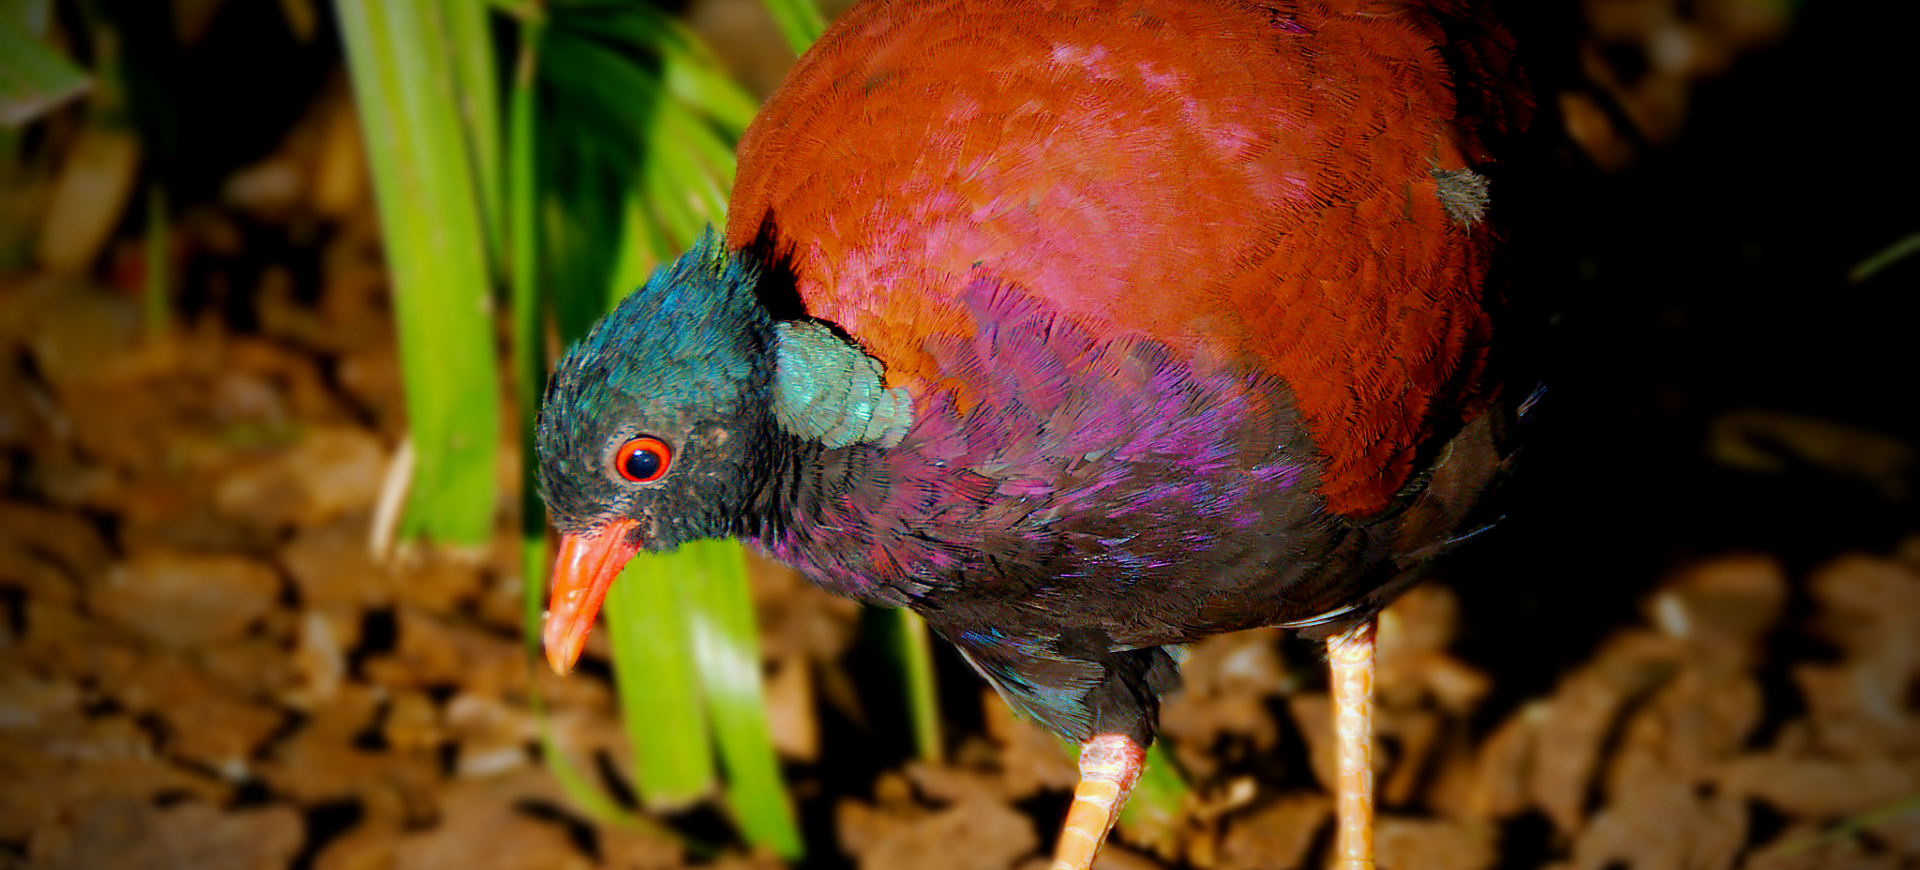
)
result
[(1086, 329)]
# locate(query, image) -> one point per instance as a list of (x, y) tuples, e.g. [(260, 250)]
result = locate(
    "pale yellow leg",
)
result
[(1350, 654), (1109, 766)]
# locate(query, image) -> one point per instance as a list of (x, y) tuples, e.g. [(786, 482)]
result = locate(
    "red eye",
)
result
[(642, 459)]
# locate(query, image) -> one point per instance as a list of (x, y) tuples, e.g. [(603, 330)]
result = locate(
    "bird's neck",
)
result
[(817, 514), (832, 425)]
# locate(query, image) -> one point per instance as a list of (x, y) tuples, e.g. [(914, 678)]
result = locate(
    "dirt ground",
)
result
[(1691, 645)]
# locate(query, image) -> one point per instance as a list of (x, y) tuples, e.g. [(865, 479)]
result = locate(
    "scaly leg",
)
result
[(1109, 766), (1350, 654)]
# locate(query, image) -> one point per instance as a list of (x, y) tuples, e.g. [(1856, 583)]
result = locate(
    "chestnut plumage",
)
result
[(1107, 327)]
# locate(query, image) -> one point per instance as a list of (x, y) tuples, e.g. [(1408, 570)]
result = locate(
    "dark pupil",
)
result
[(642, 464)]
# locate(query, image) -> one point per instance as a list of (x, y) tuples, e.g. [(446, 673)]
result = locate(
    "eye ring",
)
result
[(643, 459)]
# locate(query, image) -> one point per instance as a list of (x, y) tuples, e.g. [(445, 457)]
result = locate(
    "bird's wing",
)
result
[(1288, 186), (1075, 690)]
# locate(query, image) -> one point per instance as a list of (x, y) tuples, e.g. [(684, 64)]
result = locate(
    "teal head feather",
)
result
[(685, 359)]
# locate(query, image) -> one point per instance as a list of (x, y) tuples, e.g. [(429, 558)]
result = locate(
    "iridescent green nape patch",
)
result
[(828, 390)]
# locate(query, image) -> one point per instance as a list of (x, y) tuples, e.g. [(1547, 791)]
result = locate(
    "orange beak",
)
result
[(582, 574)]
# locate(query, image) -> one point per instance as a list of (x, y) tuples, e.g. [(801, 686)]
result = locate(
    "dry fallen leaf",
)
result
[(181, 600), (1434, 844), (1274, 835), (993, 834), (1570, 731)]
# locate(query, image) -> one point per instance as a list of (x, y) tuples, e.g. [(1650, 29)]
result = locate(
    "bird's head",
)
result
[(654, 430)]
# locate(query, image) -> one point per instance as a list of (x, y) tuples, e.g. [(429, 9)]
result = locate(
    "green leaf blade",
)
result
[(648, 620), (423, 181), (34, 78), (798, 20), (729, 654), (464, 28)]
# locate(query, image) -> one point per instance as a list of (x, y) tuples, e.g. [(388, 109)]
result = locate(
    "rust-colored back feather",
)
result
[(1243, 181)]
